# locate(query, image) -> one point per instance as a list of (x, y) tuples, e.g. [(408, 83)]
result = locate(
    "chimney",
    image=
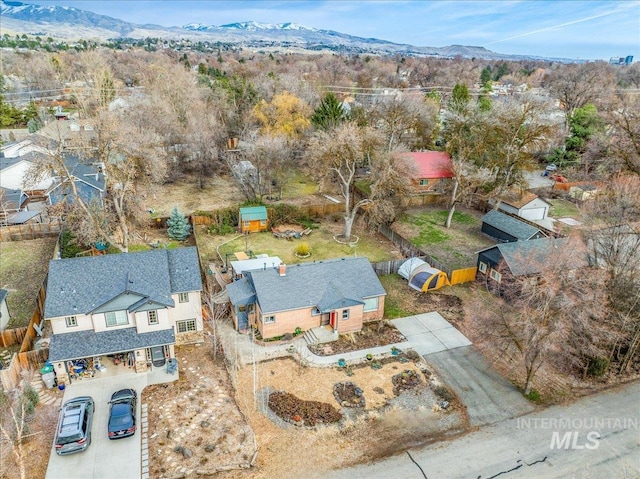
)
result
[(282, 269)]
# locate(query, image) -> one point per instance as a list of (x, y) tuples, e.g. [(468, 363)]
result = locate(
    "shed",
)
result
[(427, 278), (253, 219), (506, 228), (583, 192), (528, 206), (408, 266)]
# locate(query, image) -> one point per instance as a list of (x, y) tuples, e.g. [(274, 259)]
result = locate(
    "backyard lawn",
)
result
[(23, 268), (321, 243), (561, 208), (457, 246)]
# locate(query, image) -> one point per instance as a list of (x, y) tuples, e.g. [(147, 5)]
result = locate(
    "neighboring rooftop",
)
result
[(510, 225), (80, 285)]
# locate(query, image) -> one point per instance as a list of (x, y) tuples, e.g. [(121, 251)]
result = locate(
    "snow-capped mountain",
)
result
[(69, 23)]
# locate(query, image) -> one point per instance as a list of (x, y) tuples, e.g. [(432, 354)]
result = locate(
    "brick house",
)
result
[(341, 293)]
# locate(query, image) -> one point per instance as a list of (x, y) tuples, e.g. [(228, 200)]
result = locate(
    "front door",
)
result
[(157, 356), (332, 321)]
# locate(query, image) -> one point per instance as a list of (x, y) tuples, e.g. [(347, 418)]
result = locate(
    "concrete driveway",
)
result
[(489, 397), (430, 333), (103, 459)]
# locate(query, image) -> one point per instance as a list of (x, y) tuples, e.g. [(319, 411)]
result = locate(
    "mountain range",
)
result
[(68, 23)]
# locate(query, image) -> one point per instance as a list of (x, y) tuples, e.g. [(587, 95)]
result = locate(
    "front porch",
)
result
[(321, 335)]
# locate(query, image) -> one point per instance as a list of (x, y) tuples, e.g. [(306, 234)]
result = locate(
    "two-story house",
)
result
[(129, 307)]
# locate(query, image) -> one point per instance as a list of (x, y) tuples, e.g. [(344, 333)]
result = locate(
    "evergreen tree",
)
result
[(329, 114), (459, 101), (179, 227)]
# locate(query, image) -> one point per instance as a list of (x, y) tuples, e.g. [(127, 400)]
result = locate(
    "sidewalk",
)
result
[(240, 346), (426, 333)]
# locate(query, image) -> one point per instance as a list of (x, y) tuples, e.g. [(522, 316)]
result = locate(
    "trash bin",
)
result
[(49, 379), (47, 368)]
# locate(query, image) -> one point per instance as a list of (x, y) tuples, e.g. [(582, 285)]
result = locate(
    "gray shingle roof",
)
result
[(531, 257), (83, 344), (305, 285), (80, 285), (241, 292), (510, 225)]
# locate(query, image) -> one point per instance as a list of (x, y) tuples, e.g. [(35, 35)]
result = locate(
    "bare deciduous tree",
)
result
[(554, 315)]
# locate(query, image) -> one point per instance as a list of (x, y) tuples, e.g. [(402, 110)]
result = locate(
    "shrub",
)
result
[(302, 249), (69, 246), (598, 367), (443, 393), (533, 396)]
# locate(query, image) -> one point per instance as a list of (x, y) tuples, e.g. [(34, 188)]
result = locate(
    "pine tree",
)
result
[(179, 227)]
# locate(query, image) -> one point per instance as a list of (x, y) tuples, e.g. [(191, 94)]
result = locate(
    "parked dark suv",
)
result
[(122, 415), (74, 425)]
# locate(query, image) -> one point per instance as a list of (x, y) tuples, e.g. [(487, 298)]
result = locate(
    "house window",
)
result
[(424, 182), (183, 297), (482, 267), (186, 325), (269, 319), (117, 318), (345, 314), (246, 224), (495, 275), (263, 222), (315, 312), (71, 321), (370, 304), (152, 316)]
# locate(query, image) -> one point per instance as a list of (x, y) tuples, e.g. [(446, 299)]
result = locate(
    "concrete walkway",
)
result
[(426, 334)]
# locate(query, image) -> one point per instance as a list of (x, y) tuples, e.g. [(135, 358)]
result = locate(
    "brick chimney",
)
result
[(282, 269)]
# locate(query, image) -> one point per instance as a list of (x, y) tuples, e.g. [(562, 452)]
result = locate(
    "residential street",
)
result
[(522, 447), (489, 397)]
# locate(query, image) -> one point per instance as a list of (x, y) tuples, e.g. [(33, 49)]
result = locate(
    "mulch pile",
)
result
[(302, 413)]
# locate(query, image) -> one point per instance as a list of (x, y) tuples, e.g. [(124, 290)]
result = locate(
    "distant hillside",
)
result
[(69, 24)]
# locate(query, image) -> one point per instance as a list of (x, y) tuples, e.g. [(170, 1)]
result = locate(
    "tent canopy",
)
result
[(408, 266), (427, 278)]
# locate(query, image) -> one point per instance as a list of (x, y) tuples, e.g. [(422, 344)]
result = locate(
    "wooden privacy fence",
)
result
[(465, 275), (30, 231), (26, 359), (409, 250), (9, 337)]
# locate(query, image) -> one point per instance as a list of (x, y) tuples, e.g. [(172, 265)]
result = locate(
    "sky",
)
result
[(574, 29)]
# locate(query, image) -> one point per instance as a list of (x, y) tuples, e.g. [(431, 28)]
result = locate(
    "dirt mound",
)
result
[(349, 395), (449, 306), (405, 381), (303, 413)]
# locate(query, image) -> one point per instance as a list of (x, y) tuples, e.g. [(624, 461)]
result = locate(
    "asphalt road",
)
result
[(488, 396), (558, 442)]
